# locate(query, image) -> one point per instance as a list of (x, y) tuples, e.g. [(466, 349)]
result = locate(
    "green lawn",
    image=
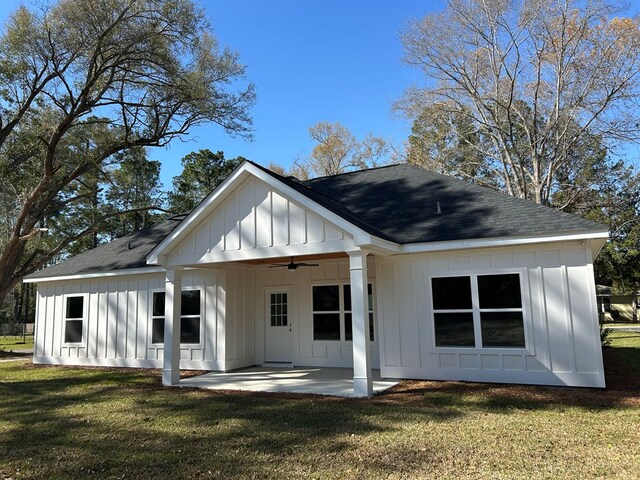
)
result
[(11, 342), (64, 422), (627, 348)]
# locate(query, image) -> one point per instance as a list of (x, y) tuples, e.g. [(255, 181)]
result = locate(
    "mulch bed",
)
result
[(623, 389)]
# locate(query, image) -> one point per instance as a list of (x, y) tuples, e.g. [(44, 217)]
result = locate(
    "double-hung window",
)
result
[(74, 314), (190, 317), (484, 311), (332, 317)]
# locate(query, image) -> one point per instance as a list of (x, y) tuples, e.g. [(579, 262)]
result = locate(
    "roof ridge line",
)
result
[(354, 171)]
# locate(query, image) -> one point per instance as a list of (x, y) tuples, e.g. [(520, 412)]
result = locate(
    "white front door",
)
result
[(278, 327)]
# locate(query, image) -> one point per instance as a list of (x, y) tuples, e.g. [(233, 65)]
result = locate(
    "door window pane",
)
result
[(454, 329), (326, 326), (278, 309), (451, 293), (502, 329), (499, 291)]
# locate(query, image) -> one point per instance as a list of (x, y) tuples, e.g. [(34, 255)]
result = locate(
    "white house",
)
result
[(416, 274)]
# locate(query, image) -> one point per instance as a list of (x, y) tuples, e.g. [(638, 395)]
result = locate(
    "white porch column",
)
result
[(362, 381), (172, 309)]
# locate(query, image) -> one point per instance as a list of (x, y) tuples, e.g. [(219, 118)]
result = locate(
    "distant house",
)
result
[(617, 308), (417, 274)]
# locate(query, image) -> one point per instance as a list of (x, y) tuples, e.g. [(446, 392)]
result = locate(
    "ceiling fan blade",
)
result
[(293, 265)]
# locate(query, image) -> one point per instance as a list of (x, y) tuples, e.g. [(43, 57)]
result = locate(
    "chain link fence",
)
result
[(16, 329)]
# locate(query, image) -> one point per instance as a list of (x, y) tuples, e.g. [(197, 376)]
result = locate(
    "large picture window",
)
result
[(482, 311), (73, 319), (189, 317), (332, 318)]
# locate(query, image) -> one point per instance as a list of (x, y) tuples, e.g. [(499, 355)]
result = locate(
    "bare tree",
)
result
[(337, 150), (86, 79), (526, 86)]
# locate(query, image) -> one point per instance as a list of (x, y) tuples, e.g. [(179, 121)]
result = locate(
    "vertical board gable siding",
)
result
[(255, 216)]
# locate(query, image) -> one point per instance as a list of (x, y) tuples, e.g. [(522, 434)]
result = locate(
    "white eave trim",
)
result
[(499, 242), (84, 276), (360, 237)]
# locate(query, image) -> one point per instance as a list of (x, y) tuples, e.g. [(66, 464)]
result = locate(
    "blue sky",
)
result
[(311, 61)]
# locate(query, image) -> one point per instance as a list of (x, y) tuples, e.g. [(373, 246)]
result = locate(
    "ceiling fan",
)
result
[(292, 265)]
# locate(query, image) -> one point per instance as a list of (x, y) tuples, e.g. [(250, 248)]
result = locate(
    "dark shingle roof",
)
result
[(401, 203), (126, 252)]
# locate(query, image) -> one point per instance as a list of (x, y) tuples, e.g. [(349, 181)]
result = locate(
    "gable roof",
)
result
[(403, 204)]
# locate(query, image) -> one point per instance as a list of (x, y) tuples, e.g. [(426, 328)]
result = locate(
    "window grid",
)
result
[(190, 324), (346, 332), (476, 311), (279, 310), (74, 315)]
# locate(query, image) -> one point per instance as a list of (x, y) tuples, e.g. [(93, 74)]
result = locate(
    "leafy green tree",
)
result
[(134, 188), (84, 80), (202, 171)]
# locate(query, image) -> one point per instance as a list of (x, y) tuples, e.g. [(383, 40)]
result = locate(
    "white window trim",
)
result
[(150, 318), (85, 316), (342, 311), (525, 293)]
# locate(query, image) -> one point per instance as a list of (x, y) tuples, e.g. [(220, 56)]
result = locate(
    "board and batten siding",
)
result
[(254, 222), (117, 323), (561, 326), (239, 329), (299, 284)]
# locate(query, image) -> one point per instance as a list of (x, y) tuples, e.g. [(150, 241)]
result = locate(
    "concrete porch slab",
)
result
[(314, 380)]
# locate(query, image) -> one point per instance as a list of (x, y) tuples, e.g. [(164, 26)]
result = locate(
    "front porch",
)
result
[(311, 380)]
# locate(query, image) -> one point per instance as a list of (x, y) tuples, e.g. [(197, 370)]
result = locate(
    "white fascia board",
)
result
[(382, 246), (84, 276), (360, 236), (156, 255), (499, 242)]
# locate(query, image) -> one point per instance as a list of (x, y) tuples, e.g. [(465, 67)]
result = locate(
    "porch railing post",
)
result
[(362, 380)]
